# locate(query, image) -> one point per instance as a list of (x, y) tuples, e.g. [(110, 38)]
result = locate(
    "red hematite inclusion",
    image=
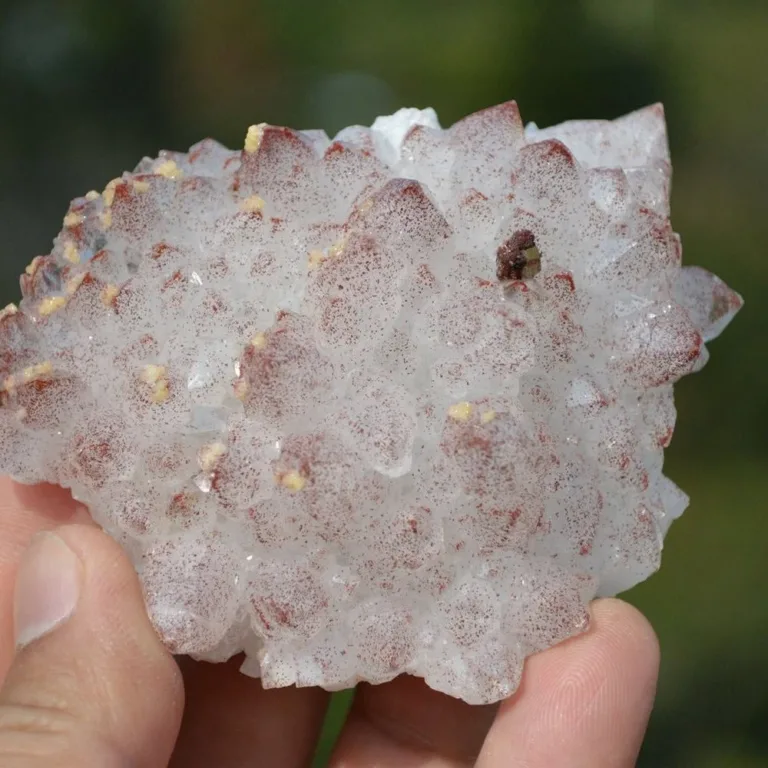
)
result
[(393, 402)]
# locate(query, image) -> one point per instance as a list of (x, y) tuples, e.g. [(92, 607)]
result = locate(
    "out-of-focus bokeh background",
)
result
[(88, 87)]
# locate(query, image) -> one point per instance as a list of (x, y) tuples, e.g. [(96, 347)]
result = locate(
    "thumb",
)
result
[(91, 685)]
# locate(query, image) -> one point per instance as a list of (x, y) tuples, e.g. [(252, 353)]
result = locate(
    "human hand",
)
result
[(91, 686)]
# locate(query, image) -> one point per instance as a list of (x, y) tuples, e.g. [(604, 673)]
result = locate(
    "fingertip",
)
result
[(617, 612), (589, 696), (628, 632)]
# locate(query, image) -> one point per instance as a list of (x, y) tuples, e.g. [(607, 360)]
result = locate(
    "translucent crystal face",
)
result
[(395, 402)]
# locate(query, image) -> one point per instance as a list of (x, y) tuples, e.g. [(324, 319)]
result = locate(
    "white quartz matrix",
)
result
[(390, 403)]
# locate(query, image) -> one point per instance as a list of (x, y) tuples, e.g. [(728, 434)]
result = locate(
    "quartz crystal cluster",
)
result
[(394, 402)]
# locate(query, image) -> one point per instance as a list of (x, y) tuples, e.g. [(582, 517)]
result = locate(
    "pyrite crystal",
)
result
[(393, 402)]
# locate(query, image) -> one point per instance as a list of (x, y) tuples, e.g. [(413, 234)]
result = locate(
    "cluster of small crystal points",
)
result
[(393, 402)]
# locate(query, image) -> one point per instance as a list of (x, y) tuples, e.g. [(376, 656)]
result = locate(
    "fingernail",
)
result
[(47, 588)]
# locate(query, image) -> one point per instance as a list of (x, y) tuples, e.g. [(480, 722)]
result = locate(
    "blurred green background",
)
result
[(87, 87)]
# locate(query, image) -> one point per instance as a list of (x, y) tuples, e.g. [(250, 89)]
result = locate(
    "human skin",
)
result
[(99, 690)]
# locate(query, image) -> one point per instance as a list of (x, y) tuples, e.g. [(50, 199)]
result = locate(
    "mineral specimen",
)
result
[(393, 402)]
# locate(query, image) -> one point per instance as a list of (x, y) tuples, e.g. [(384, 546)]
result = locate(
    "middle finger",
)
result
[(231, 721)]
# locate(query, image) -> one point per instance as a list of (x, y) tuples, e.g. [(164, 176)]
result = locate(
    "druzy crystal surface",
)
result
[(392, 402)]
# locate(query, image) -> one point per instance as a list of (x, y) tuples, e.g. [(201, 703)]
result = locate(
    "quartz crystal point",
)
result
[(390, 403)]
